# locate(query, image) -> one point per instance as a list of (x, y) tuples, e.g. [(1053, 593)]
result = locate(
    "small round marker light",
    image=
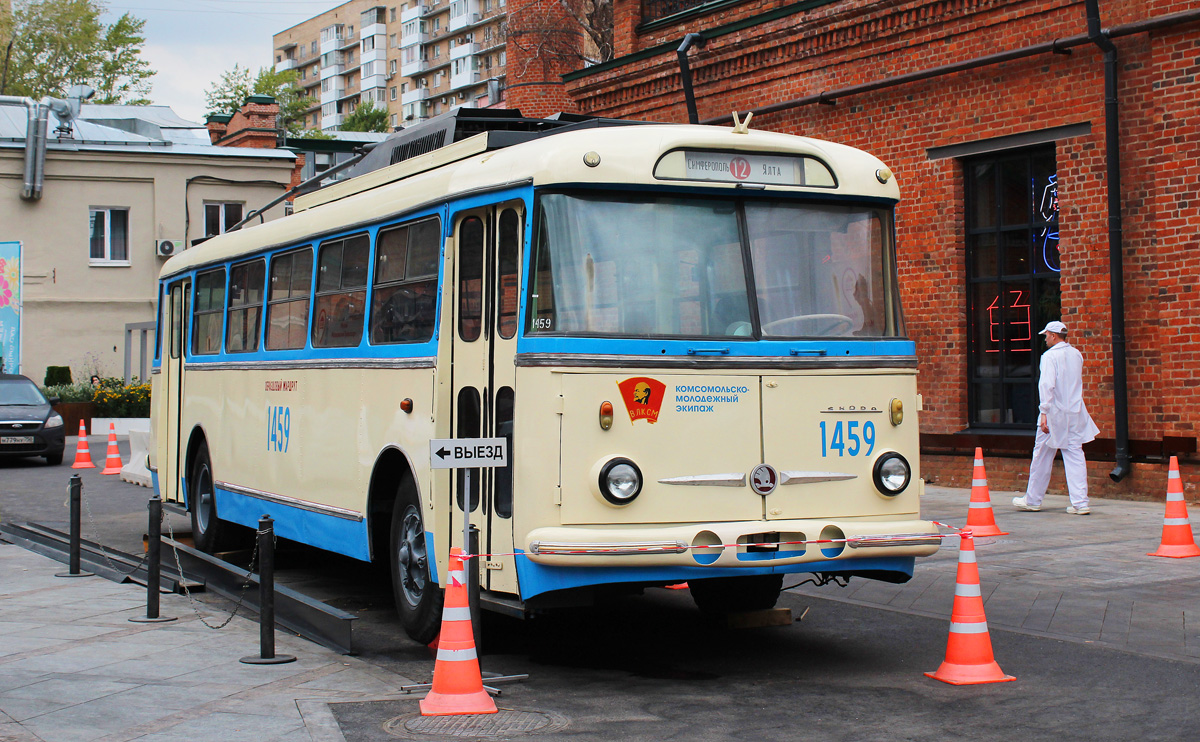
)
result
[(896, 407), (406, 405), (883, 175), (591, 159), (606, 415)]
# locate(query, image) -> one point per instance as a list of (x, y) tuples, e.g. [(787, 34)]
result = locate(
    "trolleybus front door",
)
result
[(487, 287), (171, 449)]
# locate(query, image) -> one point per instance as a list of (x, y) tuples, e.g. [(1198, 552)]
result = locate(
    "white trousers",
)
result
[(1043, 464)]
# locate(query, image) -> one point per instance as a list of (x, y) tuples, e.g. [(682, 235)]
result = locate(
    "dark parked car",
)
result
[(28, 425)]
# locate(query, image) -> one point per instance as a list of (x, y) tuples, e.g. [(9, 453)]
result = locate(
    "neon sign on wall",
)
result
[(1021, 328), (1048, 239)]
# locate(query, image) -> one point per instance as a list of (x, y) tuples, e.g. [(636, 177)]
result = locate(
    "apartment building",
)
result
[(416, 58)]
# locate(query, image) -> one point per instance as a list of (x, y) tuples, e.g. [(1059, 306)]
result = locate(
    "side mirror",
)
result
[(54, 401)]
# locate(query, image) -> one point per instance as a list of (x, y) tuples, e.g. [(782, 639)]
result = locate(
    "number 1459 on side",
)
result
[(847, 438)]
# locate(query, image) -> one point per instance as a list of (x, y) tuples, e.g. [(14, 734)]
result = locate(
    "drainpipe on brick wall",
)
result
[(685, 73), (1116, 269)]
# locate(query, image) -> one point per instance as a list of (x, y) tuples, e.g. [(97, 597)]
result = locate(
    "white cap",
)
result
[(1056, 327)]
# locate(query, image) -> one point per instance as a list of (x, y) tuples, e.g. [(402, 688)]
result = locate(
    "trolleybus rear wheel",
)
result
[(209, 533), (418, 599), (730, 594)]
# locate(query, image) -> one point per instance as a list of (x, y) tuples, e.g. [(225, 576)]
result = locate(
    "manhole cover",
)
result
[(503, 723)]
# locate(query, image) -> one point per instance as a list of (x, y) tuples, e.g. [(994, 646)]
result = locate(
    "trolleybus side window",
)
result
[(341, 292), (287, 304), (470, 278), (502, 497), (469, 415), (176, 320), (209, 311), (245, 306), (404, 296), (509, 247)]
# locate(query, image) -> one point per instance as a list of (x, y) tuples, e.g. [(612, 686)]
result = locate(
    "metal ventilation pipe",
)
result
[(685, 72), (35, 144)]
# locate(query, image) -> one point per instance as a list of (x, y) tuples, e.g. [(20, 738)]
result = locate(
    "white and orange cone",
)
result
[(969, 659), (457, 681), (1177, 539), (980, 518), (83, 457), (113, 464)]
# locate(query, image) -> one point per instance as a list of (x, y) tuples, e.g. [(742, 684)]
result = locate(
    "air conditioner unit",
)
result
[(167, 248)]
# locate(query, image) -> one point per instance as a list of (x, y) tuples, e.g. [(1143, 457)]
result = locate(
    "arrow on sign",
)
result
[(442, 453)]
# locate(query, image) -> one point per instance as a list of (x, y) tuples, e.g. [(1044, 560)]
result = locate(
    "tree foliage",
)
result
[(59, 43), (366, 117), (229, 93)]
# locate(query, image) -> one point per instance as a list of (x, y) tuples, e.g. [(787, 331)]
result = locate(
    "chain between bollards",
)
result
[(154, 563), (266, 598), (75, 490)]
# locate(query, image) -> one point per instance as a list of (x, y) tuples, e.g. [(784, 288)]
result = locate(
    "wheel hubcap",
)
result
[(411, 557)]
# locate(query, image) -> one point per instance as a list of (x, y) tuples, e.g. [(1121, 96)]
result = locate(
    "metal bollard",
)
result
[(266, 598), (471, 566), (153, 563), (76, 498)]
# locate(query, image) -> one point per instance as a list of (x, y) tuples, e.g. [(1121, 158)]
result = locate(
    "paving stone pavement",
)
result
[(1080, 578), (74, 669)]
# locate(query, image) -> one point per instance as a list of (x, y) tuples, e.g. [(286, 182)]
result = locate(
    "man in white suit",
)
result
[(1063, 425)]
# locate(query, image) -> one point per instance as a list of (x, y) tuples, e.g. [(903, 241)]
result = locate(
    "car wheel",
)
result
[(54, 459), (732, 594), (418, 598)]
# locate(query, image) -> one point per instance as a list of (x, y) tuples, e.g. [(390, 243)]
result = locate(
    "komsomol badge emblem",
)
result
[(643, 398)]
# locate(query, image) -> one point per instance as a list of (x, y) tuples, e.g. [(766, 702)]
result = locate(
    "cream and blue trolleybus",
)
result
[(691, 337)]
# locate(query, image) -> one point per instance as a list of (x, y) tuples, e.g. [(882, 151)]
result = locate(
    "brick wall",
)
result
[(760, 53), (543, 42)]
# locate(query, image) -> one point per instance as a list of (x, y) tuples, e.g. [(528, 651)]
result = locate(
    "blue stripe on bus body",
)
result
[(339, 535), (535, 579), (738, 348)]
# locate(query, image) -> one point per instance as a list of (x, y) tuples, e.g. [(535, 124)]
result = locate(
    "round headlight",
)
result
[(620, 481), (891, 474), (54, 421)]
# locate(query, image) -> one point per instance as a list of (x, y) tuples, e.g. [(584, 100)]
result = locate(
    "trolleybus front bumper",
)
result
[(732, 545)]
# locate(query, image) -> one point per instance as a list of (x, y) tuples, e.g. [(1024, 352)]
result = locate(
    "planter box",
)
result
[(73, 412), (122, 424)]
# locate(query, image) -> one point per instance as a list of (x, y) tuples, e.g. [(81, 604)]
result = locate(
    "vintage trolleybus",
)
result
[(691, 337)]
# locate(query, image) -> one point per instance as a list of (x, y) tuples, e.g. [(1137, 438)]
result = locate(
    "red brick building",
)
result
[(992, 114)]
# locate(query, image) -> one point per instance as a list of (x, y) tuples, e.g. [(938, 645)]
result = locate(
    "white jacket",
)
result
[(1060, 389)]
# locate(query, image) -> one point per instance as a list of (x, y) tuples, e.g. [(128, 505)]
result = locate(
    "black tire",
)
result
[(732, 594), (54, 459), (418, 599), (209, 533)]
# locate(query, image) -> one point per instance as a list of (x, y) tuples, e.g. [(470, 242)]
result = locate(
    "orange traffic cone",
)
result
[(1177, 539), (980, 518), (969, 659), (83, 457), (457, 681), (113, 464)]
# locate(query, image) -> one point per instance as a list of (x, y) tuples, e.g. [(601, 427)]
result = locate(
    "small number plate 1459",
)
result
[(847, 438), (279, 428)]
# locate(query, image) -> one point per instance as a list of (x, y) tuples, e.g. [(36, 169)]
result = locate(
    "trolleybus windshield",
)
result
[(688, 267)]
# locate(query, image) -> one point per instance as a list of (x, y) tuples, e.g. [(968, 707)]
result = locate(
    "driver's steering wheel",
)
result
[(811, 324)]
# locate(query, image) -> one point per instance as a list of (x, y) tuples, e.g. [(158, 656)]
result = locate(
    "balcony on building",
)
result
[(331, 38), (464, 50), (332, 122), (463, 13), (414, 96), (432, 8), (464, 78), (372, 21)]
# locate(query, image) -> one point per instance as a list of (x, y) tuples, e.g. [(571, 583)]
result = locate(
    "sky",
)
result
[(191, 42)]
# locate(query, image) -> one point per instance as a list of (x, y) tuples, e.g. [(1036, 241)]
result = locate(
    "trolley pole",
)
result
[(153, 563), (76, 500), (266, 598)]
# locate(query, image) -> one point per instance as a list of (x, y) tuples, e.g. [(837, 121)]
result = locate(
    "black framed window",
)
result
[(209, 312), (341, 292), (287, 300), (404, 297), (245, 306), (1013, 280)]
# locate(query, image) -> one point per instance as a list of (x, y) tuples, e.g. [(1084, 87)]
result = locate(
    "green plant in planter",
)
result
[(116, 400), (58, 375), (70, 392)]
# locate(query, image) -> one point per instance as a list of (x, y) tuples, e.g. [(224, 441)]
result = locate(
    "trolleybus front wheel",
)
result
[(209, 533), (418, 599), (731, 594)]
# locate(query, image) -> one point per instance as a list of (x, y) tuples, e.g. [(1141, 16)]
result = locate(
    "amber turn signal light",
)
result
[(406, 405), (606, 413), (897, 410)]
